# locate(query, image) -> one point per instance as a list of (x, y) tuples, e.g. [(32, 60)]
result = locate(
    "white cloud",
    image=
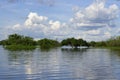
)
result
[(54, 25), (96, 16), (93, 32), (95, 22), (16, 27), (108, 34), (34, 19)]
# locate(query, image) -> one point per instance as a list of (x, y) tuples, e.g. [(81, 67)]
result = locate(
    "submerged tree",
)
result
[(16, 41), (74, 42)]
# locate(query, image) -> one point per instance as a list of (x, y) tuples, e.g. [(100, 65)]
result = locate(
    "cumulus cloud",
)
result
[(40, 27), (41, 22), (95, 22), (35, 19), (55, 25), (93, 32), (16, 27), (96, 16)]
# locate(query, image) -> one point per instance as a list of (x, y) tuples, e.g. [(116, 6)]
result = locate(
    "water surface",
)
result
[(60, 64)]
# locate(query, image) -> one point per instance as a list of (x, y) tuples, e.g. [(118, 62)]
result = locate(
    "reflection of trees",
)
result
[(21, 61), (71, 50), (115, 53), (22, 57), (73, 57), (34, 62), (73, 53), (47, 49)]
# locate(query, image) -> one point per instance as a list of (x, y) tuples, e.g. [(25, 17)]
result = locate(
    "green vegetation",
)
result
[(74, 43), (19, 47), (18, 42), (48, 43), (112, 43), (16, 39)]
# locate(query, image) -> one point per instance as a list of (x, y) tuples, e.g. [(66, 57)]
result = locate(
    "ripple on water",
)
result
[(60, 64)]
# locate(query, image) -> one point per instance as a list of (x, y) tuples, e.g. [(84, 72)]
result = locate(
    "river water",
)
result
[(60, 64)]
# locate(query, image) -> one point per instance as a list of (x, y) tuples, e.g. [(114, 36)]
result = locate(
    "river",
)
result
[(60, 64)]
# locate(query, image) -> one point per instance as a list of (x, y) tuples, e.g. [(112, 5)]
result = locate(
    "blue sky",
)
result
[(87, 19)]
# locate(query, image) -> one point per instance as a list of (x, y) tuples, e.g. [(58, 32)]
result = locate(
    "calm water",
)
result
[(60, 64)]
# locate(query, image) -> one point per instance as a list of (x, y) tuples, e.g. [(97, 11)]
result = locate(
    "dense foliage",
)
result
[(48, 43), (16, 39), (18, 42), (74, 43), (19, 47), (112, 42)]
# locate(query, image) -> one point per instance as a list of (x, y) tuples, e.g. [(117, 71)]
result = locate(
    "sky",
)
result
[(92, 20)]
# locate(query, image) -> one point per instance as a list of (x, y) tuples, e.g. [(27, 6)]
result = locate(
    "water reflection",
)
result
[(74, 59), (115, 62), (60, 64), (73, 55), (115, 52), (20, 63), (19, 57), (80, 50)]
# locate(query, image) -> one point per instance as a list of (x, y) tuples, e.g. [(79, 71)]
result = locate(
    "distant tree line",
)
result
[(112, 42), (15, 41)]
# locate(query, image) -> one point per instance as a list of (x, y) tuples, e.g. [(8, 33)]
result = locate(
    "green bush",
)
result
[(48, 43), (19, 47)]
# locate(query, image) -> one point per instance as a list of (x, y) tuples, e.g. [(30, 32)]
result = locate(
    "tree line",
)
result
[(20, 41), (112, 42), (16, 42)]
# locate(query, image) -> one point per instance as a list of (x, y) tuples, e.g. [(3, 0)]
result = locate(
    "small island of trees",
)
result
[(20, 42), (48, 43), (74, 43)]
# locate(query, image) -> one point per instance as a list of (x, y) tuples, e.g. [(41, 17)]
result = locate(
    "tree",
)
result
[(74, 43), (48, 43), (15, 39)]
